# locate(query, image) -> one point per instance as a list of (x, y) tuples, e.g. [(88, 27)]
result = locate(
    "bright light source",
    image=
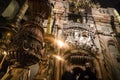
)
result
[(5, 53), (60, 43), (58, 57), (8, 34)]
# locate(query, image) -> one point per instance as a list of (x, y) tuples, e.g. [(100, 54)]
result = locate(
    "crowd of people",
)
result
[(79, 74)]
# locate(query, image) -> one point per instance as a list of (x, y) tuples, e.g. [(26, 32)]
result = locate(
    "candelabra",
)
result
[(25, 49)]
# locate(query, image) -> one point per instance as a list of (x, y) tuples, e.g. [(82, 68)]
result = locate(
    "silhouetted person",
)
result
[(78, 73), (68, 75), (88, 73)]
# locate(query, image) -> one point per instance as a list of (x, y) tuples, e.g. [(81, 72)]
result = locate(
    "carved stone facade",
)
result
[(89, 34)]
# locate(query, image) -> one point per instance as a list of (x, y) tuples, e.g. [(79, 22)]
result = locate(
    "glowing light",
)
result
[(58, 57), (60, 43), (5, 53), (8, 34)]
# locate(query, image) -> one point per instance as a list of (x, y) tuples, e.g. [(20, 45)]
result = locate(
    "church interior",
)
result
[(59, 40)]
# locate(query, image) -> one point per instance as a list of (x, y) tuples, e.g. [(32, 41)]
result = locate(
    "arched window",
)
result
[(11, 10)]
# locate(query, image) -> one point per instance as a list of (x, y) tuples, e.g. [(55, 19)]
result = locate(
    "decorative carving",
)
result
[(80, 39)]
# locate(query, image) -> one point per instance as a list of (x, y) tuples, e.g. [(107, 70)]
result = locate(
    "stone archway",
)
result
[(79, 58)]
